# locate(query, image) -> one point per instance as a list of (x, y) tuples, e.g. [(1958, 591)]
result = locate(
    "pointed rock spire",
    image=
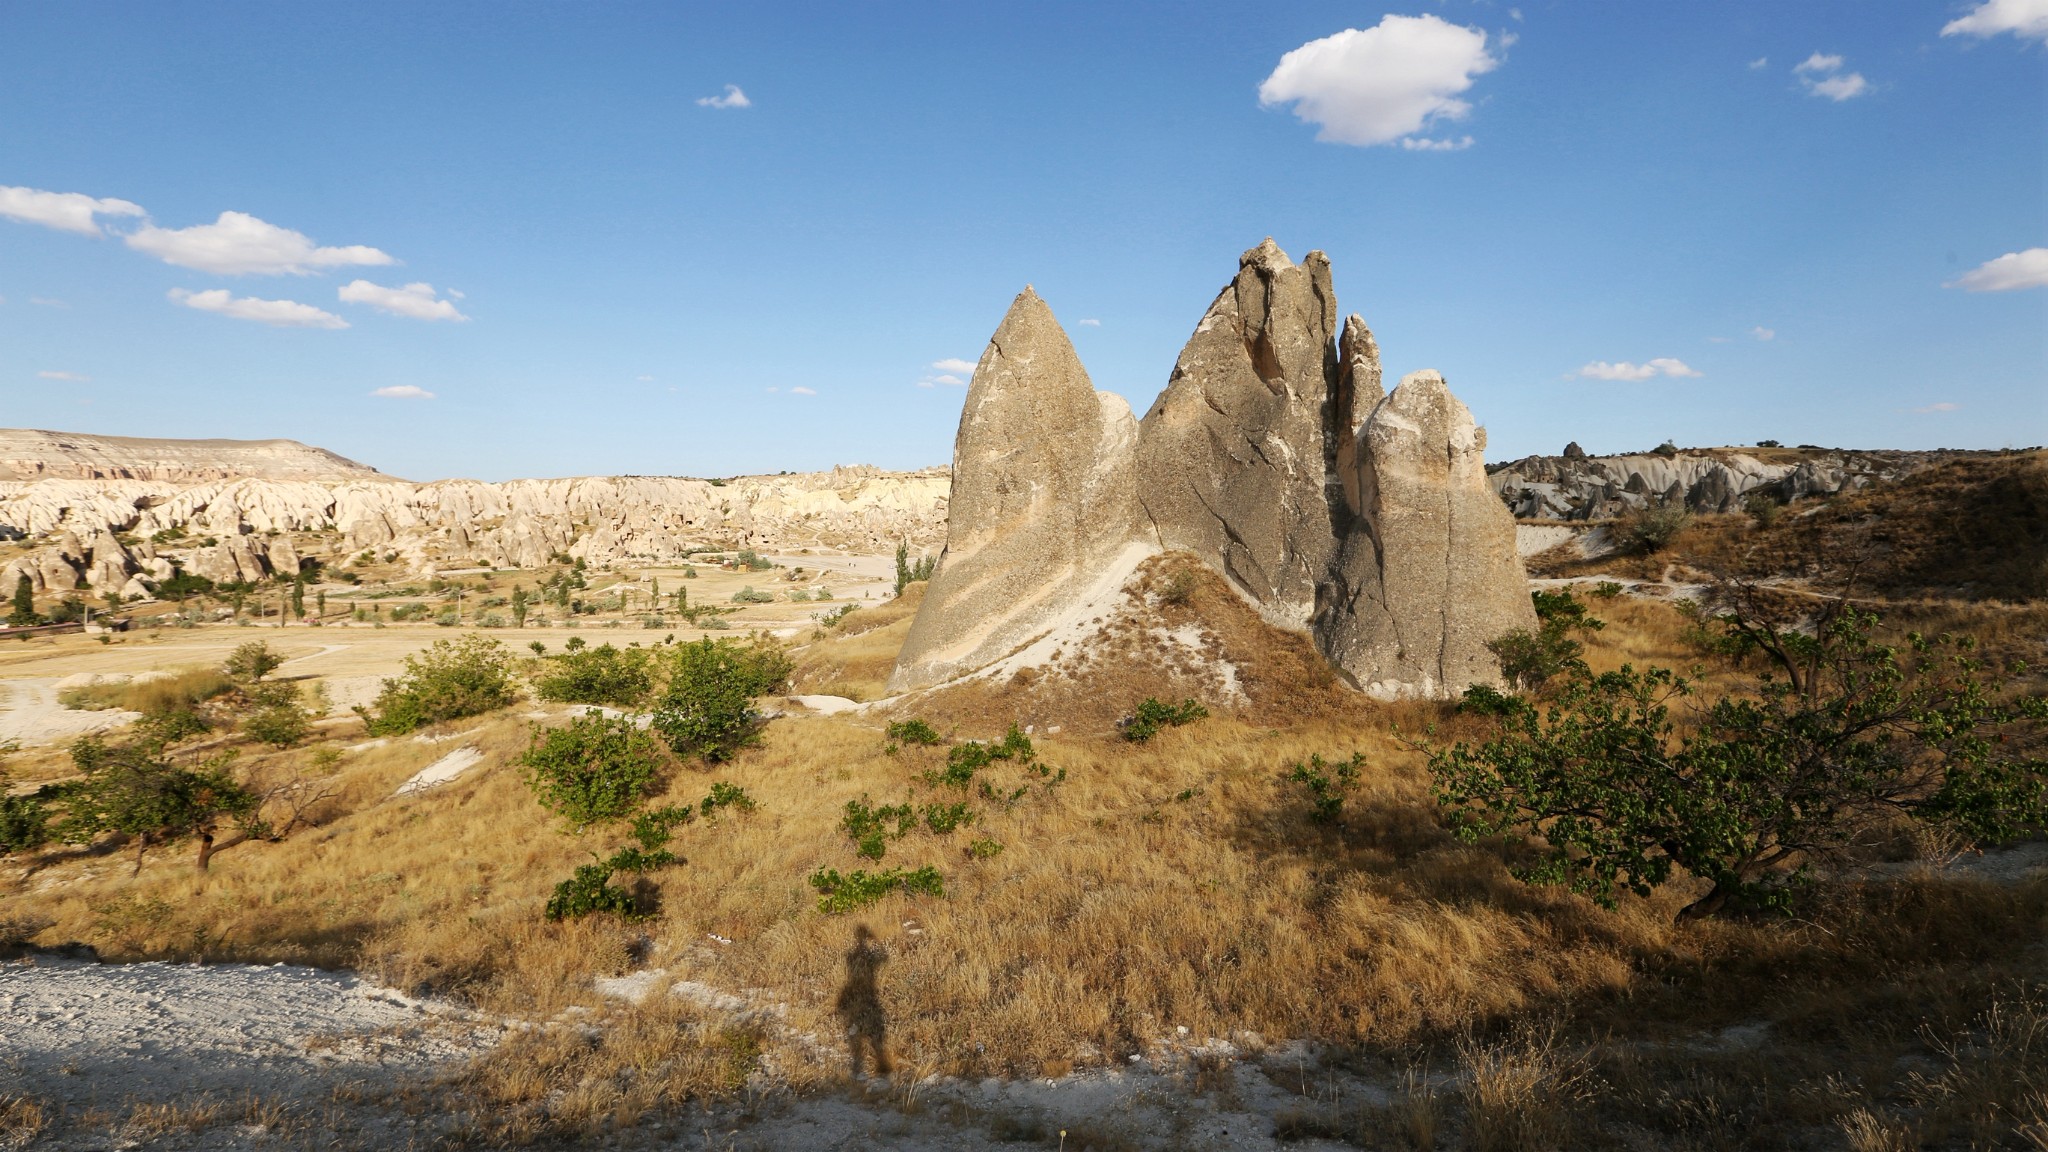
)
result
[(1431, 575), (1234, 456), (1043, 501)]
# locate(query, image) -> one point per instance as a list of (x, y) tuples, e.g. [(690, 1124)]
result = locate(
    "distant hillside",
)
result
[(33, 454)]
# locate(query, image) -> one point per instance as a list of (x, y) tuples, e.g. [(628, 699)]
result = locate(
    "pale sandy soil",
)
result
[(332, 1061)]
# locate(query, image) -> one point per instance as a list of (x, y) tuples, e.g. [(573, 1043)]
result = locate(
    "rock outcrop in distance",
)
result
[(33, 453), (244, 529), (1273, 456), (1576, 486)]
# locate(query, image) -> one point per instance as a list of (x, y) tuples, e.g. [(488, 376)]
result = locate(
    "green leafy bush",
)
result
[(944, 819), (964, 760), (1326, 784), (602, 675), (707, 708), (724, 795), (1651, 528), (452, 679), (590, 888), (870, 828), (251, 662), (1844, 736), (276, 717), (748, 595), (24, 822), (909, 572), (858, 889), (592, 769), (1531, 659), (1152, 715), (983, 849), (912, 731)]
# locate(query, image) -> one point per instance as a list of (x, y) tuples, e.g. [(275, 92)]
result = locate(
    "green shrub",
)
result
[(1326, 784), (1608, 589), (983, 849), (1531, 659), (724, 795), (1151, 716), (1651, 528), (747, 595), (24, 822), (251, 662), (1838, 741), (858, 889), (590, 890), (707, 708), (452, 679), (135, 789), (870, 828), (909, 572), (592, 769), (913, 731), (944, 819), (600, 675), (276, 716)]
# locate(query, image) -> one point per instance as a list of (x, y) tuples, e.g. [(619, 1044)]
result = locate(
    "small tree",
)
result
[(1848, 736), (519, 603), (708, 707), (1530, 659), (1651, 528), (24, 611), (136, 790), (593, 769), (277, 718), (909, 572), (250, 663), (452, 679)]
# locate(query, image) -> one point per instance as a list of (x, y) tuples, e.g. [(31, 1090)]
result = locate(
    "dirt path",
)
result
[(30, 714)]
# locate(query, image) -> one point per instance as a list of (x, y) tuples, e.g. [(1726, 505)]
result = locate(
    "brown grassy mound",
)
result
[(854, 658), (1180, 632)]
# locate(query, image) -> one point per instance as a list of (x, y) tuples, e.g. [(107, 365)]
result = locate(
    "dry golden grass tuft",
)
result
[(854, 658)]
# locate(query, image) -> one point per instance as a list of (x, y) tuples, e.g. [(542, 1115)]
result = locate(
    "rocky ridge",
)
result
[(1273, 457), (1575, 486), (117, 534), (33, 453)]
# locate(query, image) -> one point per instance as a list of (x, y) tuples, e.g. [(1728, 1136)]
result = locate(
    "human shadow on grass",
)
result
[(860, 1006)]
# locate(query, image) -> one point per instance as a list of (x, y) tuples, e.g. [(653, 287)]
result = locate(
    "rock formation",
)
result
[(1273, 456), (1582, 487), (1431, 574), (603, 520), (31, 453), (1233, 457), (1042, 506)]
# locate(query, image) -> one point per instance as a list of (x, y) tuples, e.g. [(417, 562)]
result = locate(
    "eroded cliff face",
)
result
[(604, 520), (1273, 457), (1576, 486), (33, 453)]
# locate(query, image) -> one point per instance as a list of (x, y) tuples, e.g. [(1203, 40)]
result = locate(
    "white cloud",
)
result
[(1091, 322), (64, 211), (1423, 144), (1944, 406), (1762, 333), (1760, 63), (72, 377), (1381, 84), (2010, 272), (644, 379), (1624, 370), (458, 295), (733, 98), (414, 300), (803, 391), (2026, 19), (276, 313), (239, 244), (953, 364), (403, 392), (1823, 76)]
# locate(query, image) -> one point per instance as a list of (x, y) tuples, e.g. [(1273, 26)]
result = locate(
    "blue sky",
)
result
[(1607, 222)]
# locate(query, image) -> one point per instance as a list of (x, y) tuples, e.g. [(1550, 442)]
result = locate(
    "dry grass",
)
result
[(22, 1119), (186, 688), (855, 658), (1175, 884)]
